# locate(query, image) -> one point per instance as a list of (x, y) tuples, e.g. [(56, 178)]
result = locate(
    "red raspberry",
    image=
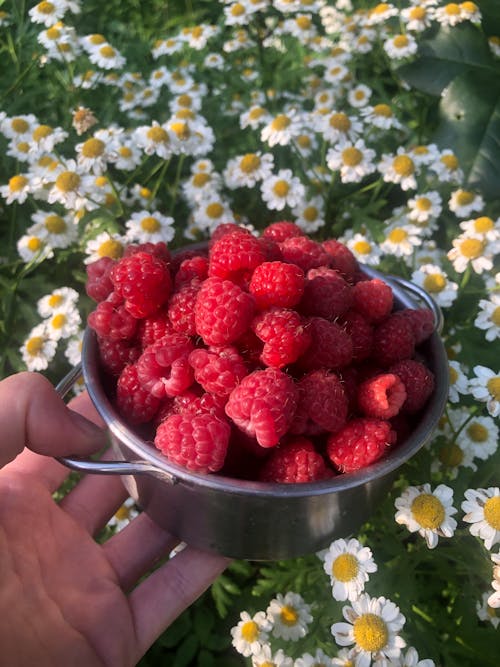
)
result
[(218, 370), (326, 294), (419, 383), (322, 404), (227, 228), (263, 405), (187, 253), (304, 252), (144, 282), (295, 462), (222, 311), (192, 267), (277, 284), (393, 340), (250, 347), (373, 299), (330, 347), (114, 355), (99, 285), (134, 403), (271, 249), (181, 307), (197, 442), (284, 335), (163, 367), (381, 396), (341, 258), (159, 250), (422, 322), (361, 333), (279, 231), (361, 442), (154, 327), (234, 257), (110, 319), (192, 402)]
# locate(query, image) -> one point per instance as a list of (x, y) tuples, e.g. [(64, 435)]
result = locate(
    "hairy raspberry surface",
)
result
[(277, 284), (284, 335), (373, 299), (110, 319), (281, 230), (98, 285), (222, 311), (341, 258), (304, 252), (114, 355), (295, 462), (330, 347), (263, 405), (133, 402), (218, 369), (322, 405), (359, 443), (361, 333), (195, 402), (419, 382), (393, 340), (381, 396), (326, 294), (163, 367), (192, 267), (235, 256), (422, 322), (154, 327), (181, 307), (143, 280), (197, 442)]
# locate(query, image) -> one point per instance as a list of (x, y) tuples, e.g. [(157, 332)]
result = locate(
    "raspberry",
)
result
[(144, 282), (419, 383), (279, 231), (218, 370), (163, 367), (197, 442), (277, 284), (181, 307), (154, 327), (222, 311), (359, 443), (226, 228), (322, 404), (134, 403), (422, 322), (361, 333), (284, 335), (189, 402), (373, 299), (114, 355), (330, 347), (393, 340), (235, 256), (295, 462), (341, 258), (98, 285), (159, 249), (304, 252), (271, 249), (263, 405), (180, 255), (192, 267), (110, 319), (326, 294), (381, 396)]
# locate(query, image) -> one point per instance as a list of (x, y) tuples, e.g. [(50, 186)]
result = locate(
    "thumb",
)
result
[(33, 414)]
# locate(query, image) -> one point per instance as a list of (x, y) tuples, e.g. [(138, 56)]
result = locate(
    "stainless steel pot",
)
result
[(255, 520)]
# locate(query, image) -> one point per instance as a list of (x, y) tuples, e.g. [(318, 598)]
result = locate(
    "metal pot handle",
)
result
[(101, 467), (424, 296)]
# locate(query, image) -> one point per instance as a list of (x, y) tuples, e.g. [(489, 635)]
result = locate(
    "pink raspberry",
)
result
[(277, 284), (361, 333), (284, 335), (393, 340), (330, 347), (373, 299), (186, 253), (326, 294), (359, 443), (295, 462), (235, 256), (304, 252), (418, 380), (159, 249), (263, 405), (181, 307), (192, 267), (219, 369), (163, 367), (322, 404), (193, 402), (222, 311), (281, 230), (143, 280), (110, 319), (114, 355), (98, 285), (381, 396), (197, 442), (341, 258), (136, 404), (154, 327), (422, 322), (227, 228)]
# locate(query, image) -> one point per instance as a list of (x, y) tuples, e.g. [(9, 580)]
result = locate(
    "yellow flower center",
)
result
[(464, 197), (492, 512), (181, 129), (185, 114), (256, 113), (351, 156), (145, 193), (450, 456), (59, 320), (237, 9), (55, 300), (150, 224), (421, 150), (214, 210), (125, 151), (107, 51), (495, 316), (289, 615), (64, 47), (345, 567), (452, 9), (468, 6), (397, 235), (23, 147), (34, 244), (97, 39), (423, 204), (303, 140), (110, 248), (471, 248), (339, 121), (382, 110), (303, 22), (157, 134), (403, 165), (19, 125), (380, 8), (400, 41), (428, 511), (362, 247), (450, 161), (197, 31), (477, 432), (41, 132), (199, 180), (185, 100), (17, 183), (310, 213), (484, 224), (453, 375), (434, 282), (67, 181), (34, 345), (55, 224), (370, 632), (417, 13), (281, 122), (93, 148), (45, 8), (281, 188), (250, 631), (493, 386)]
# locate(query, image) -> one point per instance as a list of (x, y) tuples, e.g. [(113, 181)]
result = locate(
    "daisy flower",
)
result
[(68, 187), (107, 57), (471, 250), (458, 382), (348, 565), (381, 12), (363, 247), (92, 155), (353, 160), (318, 659), (488, 317), (305, 142), (63, 323), (38, 349), (146, 227), (31, 247), (248, 169), (266, 658), (485, 387), (494, 598), (104, 245), (60, 298), (451, 456), (424, 154), (482, 511), (480, 435), (416, 18), (211, 211), (56, 230), (309, 214), (338, 126), (359, 95), (484, 227), (399, 168), (449, 15), (281, 129), (282, 189), (18, 127), (400, 240), (487, 613), (289, 616), (380, 116), (20, 150), (410, 659), (470, 11), (425, 207), (73, 350), (344, 658), (45, 137), (335, 72), (494, 44), (17, 189), (372, 626), (435, 281), (464, 202), (124, 515), (154, 139), (250, 633), (254, 117), (447, 167), (427, 512), (400, 46), (47, 13)]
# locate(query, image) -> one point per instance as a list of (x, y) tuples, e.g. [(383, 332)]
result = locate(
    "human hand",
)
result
[(64, 598)]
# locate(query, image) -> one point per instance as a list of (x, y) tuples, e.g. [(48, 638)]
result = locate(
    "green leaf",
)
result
[(490, 16), (186, 652)]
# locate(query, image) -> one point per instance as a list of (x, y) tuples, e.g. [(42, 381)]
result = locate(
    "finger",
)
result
[(169, 590), (137, 548), (33, 414)]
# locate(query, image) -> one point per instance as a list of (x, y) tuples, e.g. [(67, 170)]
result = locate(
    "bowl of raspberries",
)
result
[(261, 392)]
